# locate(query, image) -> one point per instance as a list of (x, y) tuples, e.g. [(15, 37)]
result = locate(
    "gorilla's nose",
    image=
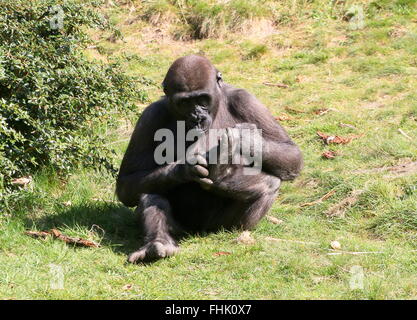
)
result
[(197, 117)]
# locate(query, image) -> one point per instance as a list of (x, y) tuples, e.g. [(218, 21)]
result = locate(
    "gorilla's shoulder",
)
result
[(159, 106), (157, 109), (155, 115), (230, 90), (238, 98)]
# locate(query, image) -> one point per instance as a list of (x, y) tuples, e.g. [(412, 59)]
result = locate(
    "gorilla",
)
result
[(180, 196)]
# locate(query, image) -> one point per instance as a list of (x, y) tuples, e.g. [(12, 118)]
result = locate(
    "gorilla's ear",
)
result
[(219, 78)]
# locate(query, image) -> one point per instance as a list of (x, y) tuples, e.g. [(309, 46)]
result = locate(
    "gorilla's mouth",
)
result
[(198, 121)]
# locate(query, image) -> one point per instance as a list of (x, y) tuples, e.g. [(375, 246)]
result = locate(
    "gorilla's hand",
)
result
[(195, 169), (240, 144)]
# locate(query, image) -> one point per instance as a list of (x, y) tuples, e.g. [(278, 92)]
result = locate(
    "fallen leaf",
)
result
[(284, 117), (335, 245), (301, 79), (67, 203), (10, 254), (127, 287), (274, 220), (336, 139), (222, 253), (321, 111), (22, 181), (329, 154), (211, 292), (337, 41), (245, 238)]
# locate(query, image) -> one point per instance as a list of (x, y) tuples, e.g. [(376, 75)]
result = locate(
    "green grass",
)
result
[(367, 78)]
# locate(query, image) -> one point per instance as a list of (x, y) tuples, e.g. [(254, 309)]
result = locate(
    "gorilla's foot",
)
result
[(154, 250)]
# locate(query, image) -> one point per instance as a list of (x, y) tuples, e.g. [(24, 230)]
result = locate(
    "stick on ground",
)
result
[(58, 235)]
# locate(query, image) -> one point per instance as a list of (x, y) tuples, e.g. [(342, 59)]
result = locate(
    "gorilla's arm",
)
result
[(138, 171), (280, 156)]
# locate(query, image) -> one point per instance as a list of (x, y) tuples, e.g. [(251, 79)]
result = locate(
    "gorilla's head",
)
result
[(192, 86)]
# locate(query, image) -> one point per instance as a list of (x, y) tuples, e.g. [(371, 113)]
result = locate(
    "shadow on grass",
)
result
[(120, 225), (117, 226)]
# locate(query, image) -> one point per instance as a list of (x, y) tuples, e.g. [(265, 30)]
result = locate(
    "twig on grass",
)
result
[(288, 240), (404, 134), (58, 235), (292, 110), (333, 253), (279, 85), (352, 252), (339, 209), (323, 198), (347, 125)]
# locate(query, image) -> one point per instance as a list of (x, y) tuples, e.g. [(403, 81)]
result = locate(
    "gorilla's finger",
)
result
[(136, 256), (201, 160), (205, 183), (201, 171)]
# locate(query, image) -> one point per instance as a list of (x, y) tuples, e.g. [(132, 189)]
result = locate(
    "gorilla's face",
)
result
[(195, 108), (192, 86)]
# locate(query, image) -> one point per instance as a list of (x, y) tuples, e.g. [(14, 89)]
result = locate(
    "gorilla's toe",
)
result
[(152, 251)]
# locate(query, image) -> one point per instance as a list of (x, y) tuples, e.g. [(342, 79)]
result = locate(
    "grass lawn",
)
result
[(351, 83)]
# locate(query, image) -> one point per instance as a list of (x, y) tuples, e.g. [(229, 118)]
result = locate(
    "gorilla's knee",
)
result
[(273, 184), (153, 201)]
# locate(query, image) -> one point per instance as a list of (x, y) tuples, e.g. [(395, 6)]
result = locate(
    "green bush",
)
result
[(53, 100)]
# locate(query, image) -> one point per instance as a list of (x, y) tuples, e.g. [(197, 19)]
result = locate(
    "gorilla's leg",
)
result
[(254, 196), (158, 226), (248, 216)]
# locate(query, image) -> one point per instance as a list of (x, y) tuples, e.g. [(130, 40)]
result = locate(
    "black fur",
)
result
[(203, 197)]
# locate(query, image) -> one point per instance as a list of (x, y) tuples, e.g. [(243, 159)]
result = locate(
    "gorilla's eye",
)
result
[(203, 100)]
